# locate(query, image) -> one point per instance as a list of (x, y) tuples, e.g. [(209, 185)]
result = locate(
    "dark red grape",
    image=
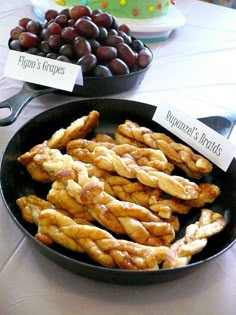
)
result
[(82, 48), (106, 53), (69, 34), (65, 12), (126, 54), (86, 28), (54, 29), (118, 67), (44, 47), (102, 71), (28, 40), (23, 22), (137, 45), (112, 31), (86, 17), (16, 31), (127, 38), (52, 55), (67, 50), (102, 19), (102, 33), (113, 40), (94, 45), (124, 28), (50, 14), (64, 58), (61, 19), (96, 11), (55, 42), (71, 22), (87, 63), (78, 11), (114, 24), (77, 38), (44, 35), (144, 58), (33, 27)]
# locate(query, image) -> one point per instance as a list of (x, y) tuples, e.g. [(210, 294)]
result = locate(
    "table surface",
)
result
[(195, 70)]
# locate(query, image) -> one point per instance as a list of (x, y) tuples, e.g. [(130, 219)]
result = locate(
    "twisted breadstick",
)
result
[(124, 166), (196, 237), (82, 149), (118, 216), (151, 198), (194, 165), (102, 137), (77, 129), (165, 207), (46, 164), (105, 209), (37, 159), (61, 199), (30, 207), (87, 150), (99, 244)]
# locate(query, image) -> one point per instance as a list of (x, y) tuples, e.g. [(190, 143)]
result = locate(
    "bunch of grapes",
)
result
[(90, 38)]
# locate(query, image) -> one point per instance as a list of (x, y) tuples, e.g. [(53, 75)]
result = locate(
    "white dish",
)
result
[(155, 29)]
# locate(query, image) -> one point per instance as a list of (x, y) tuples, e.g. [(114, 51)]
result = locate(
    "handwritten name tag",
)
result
[(43, 71), (197, 135)]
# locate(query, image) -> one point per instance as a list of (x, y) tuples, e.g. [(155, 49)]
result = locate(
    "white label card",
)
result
[(197, 135), (43, 71)]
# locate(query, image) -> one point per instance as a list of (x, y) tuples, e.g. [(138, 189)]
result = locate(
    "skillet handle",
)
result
[(17, 102), (222, 124)]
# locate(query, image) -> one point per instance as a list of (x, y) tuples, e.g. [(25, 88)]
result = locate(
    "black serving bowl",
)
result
[(16, 182)]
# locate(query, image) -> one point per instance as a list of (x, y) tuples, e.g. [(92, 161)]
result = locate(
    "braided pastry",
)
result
[(121, 217), (151, 198), (46, 164), (61, 199), (40, 156), (194, 165), (102, 137), (87, 150), (77, 129), (99, 244), (165, 207), (82, 149), (31, 206), (195, 239), (125, 166)]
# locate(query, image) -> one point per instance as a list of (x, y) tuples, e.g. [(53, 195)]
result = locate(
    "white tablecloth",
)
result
[(194, 70)]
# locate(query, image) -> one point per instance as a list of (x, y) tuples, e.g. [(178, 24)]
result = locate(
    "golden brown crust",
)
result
[(79, 128), (119, 216), (196, 237), (31, 206), (99, 244)]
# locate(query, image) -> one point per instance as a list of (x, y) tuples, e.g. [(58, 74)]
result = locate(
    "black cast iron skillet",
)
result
[(16, 182)]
